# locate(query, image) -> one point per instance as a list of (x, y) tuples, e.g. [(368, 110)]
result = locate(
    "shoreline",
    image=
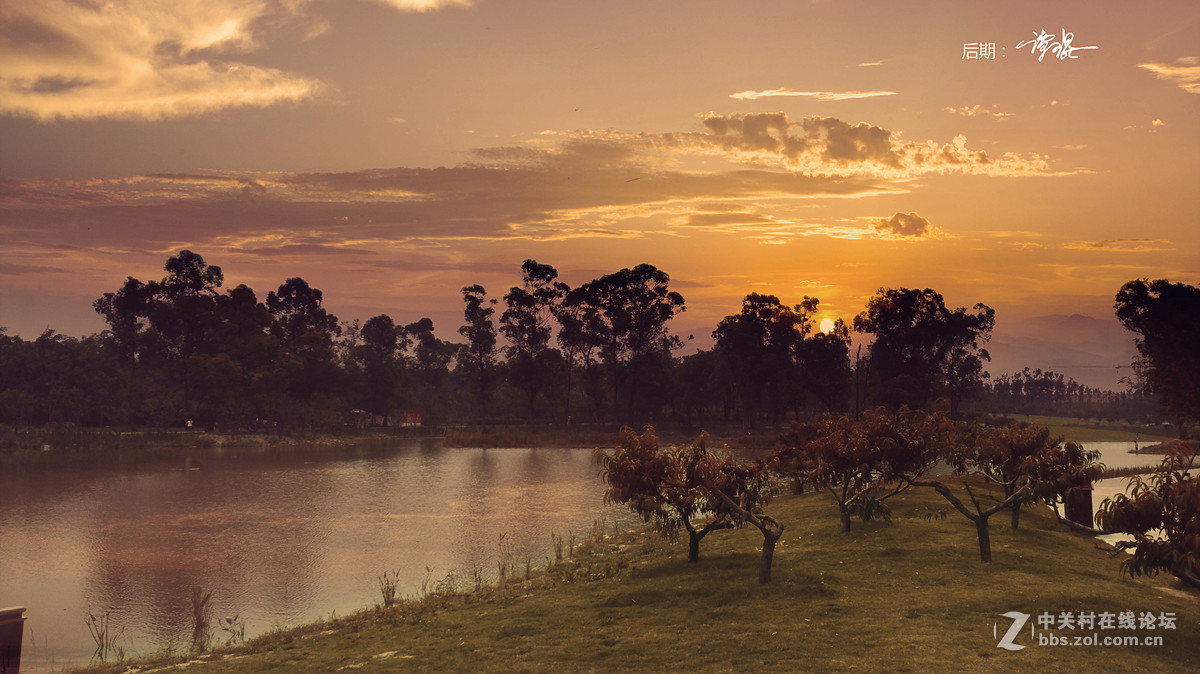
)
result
[(23, 448), (69, 446), (46, 448), (632, 602), (1161, 448)]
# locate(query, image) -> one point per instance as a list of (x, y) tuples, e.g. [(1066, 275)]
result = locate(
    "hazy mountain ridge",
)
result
[(1093, 351)]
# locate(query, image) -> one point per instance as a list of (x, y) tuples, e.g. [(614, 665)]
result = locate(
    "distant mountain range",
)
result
[(1092, 351)]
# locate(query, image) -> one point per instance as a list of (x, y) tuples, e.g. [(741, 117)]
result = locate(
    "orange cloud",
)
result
[(748, 177), (766, 228), (1184, 73), (144, 60), (905, 225), (829, 146)]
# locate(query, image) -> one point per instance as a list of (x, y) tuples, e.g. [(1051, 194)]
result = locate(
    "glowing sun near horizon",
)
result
[(827, 325)]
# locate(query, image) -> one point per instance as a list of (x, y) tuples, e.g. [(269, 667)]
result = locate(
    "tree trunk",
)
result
[(1016, 515), (985, 539), (531, 404), (567, 398), (694, 537), (770, 538), (845, 520), (980, 516)]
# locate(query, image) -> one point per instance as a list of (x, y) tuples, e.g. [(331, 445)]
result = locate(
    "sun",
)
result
[(827, 325)]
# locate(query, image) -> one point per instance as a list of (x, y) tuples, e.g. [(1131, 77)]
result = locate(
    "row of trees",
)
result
[(861, 462), (180, 349), (189, 352), (615, 360), (1050, 393), (864, 462)]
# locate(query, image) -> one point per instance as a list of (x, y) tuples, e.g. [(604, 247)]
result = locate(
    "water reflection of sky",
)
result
[(1117, 455), (279, 541), (290, 539)]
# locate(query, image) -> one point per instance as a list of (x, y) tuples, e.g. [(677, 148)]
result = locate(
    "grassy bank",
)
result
[(1091, 430), (1108, 473), (1071, 428), (22, 447), (906, 596)]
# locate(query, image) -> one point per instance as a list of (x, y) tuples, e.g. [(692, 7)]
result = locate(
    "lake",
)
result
[(280, 540), (286, 539)]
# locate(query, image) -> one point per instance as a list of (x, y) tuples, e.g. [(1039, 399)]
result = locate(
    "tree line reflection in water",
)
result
[(279, 540)]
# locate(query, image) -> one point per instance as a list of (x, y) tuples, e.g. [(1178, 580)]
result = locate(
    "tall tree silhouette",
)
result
[(636, 305), (183, 315), (1166, 318), (297, 309), (776, 360), (526, 324), (183, 311), (429, 368), (477, 357), (377, 355), (922, 349), (582, 335), (127, 312), (760, 345)]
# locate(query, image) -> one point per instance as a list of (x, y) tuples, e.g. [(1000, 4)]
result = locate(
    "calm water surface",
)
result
[(1118, 455), (280, 541), (285, 540)]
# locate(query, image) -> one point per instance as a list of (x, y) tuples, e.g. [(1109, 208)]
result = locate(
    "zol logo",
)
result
[(1007, 641)]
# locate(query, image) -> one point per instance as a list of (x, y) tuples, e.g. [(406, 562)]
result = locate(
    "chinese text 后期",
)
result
[(978, 51), (1061, 47)]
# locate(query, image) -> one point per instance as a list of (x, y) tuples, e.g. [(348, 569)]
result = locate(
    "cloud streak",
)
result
[(750, 177), (1184, 73), (543, 196), (819, 95), (423, 5), (980, 111), (1123, 245), (828, 146)]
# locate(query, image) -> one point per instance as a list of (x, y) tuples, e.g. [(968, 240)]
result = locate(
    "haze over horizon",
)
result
[(392, 151)]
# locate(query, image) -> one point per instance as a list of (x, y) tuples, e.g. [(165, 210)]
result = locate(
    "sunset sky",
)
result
[(392, 151)]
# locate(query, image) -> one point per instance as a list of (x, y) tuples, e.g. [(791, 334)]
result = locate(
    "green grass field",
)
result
[(909, 596), (1084, 430)]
